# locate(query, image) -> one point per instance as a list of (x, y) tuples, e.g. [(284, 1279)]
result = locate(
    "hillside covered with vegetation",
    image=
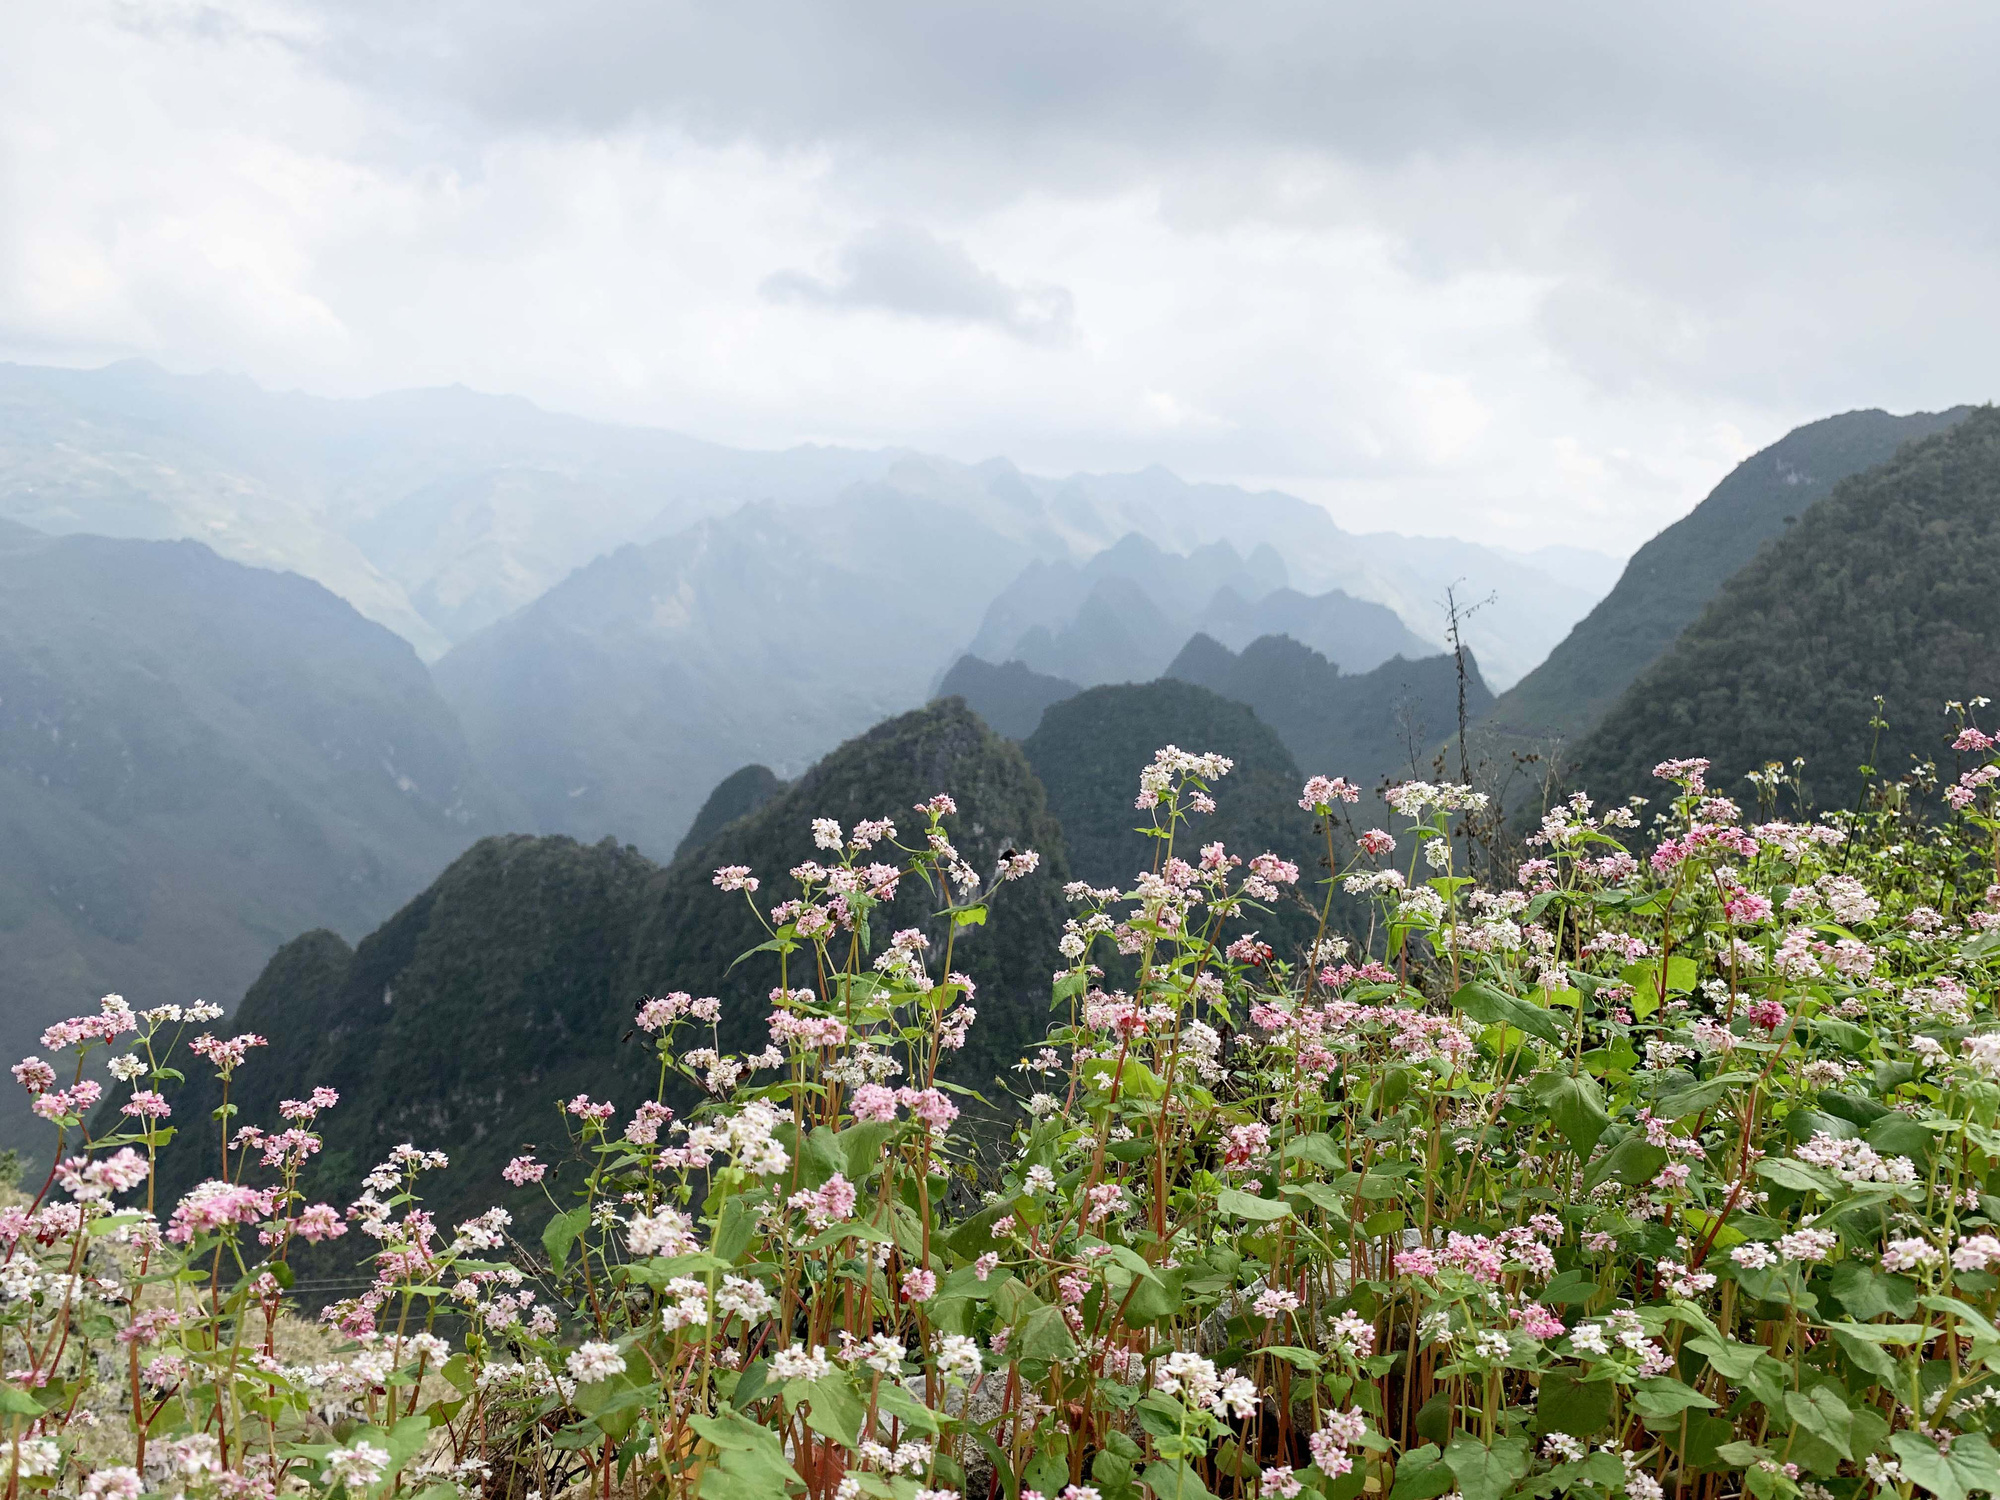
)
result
[(1372, 726), (511, 981), (1671, 579), (1890, 586)]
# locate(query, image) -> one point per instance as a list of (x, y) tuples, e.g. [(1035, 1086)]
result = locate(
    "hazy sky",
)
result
[(1521, 272)]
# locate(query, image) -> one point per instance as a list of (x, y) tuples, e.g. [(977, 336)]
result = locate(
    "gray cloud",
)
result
[(902, 268), (1481, 267)]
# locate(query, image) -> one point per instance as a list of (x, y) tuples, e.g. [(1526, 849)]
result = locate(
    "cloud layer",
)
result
[(1521, 273)]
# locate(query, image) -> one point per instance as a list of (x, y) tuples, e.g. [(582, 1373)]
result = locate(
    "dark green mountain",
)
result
[(737, 795), (1010, 697), (1366, 726), (1089, 750), (1673, 577), (199, 760), (1890, 585), (511, 982)]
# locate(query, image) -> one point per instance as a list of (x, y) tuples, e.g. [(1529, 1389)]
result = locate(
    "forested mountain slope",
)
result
[(1367, 726), (1890, 585), (1672, 578), (511, 983)]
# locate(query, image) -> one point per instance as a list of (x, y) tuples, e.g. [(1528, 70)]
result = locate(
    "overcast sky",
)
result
[(1522, 273)]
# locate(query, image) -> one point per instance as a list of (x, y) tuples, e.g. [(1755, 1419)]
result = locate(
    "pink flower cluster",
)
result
[(1321, 792), (660, 1011), (226, 1053), (216, 1205)]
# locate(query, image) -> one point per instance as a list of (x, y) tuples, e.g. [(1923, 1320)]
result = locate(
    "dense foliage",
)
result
[(1671, 1165), (1890, 586), (1671, 579)]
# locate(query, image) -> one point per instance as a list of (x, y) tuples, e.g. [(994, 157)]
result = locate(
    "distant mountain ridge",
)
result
[(1671, 579), (613, 703), (1116, 617), (1009, 696), (440, 512)]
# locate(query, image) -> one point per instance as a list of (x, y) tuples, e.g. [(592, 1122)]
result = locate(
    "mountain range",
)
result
[(214, 745), (511, 982), (439, 512)]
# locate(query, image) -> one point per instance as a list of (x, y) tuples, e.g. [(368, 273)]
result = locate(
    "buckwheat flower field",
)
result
[(1664, 1161)]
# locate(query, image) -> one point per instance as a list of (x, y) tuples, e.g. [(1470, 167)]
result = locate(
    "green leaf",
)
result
[(1576, 1105), (1317, 1148), (1796, 1175), (1491, 1006), (1741, 1455), (751, 1463), (1825, 1415), (17, 1402), (1486, 1473), (899, 1403), (860, 1147), (1578, 1407), (1845, 1035), (560, 1233), (732, 1233), (1868, 1294), (1634, 1161), (1173, 1481), (1975, 1463), (1298, 1359), (1421, 1475), (834, 1408), (1864, 1353), (1044, 1335), (1922, 1462), (1244, 1205), (1734, 1360), (1662, 1398), (1700, 1096)]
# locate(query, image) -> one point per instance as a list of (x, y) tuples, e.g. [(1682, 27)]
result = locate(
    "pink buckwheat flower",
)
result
[(874, 1103), (523, 1170)]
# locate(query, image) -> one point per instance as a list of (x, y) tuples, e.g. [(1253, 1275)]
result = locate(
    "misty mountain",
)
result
[(434, 512), (439, 512), (1673, 577), (200, 760), (616, 701), (1009, 696), (1119, 616), (1890, 585), (1367, 726)]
